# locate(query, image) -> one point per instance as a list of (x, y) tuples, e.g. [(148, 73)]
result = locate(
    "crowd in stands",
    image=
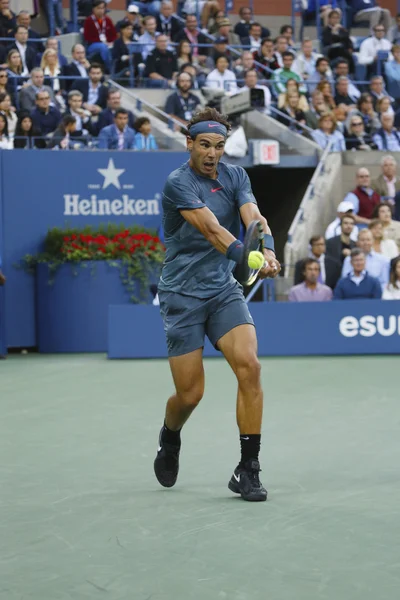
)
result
[(359, 255)]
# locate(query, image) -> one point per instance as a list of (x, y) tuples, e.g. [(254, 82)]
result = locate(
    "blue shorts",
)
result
[(187, 320)]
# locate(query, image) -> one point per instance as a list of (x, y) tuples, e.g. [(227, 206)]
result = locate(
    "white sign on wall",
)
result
[(266, 152)]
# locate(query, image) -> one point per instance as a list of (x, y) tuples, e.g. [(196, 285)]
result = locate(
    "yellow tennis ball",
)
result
[(256, 259)]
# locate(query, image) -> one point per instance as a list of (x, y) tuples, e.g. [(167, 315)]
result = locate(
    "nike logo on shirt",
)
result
[(216, 189)]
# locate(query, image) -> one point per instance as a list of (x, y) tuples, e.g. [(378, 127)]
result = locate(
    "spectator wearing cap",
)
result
[(281, 76), (192, 33), (124, 60), (381, 245), (27, 95), (357, 283), (221, 77), (161, 64), (166, 22), (46, 118), (340, 246), (387, 184), (251, 83), (334, 229), (387, 138), (391, 228), (99, 33), (310, 289), (225, 31), (132, 17), (329, 267), (363, 198), (144, 139), (93, 91), (370, 47), (376, 264), (242, 28), (118, 136), (328, 132), (253, 41), (182, 104), (107, 116)]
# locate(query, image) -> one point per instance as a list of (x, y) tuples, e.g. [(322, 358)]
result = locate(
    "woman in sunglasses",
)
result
[(356, 137)]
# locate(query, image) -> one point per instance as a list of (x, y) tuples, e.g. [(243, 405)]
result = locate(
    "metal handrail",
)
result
[(293, 121)]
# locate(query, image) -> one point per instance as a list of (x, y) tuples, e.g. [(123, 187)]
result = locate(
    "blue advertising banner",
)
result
[(283, 329), (45, 189)]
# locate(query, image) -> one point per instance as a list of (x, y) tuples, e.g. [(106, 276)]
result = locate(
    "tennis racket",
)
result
[(253, 240)]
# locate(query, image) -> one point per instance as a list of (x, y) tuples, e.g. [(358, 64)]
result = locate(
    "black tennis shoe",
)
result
[(166, 464), (246, 482)]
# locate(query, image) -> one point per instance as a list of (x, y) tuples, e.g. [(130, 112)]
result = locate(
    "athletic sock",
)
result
[(250, 447), (170, 437)]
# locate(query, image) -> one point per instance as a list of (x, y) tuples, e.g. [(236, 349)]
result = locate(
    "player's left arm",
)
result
[(250, 212)]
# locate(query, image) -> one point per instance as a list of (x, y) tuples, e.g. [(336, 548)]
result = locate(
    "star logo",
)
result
[(111, 175)]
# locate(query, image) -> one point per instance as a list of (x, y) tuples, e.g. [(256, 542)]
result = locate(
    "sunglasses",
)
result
[(357, 124)]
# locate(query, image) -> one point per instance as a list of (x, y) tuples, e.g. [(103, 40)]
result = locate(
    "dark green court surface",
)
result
[(82, 516)]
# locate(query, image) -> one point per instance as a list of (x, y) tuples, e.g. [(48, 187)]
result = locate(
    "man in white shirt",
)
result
[(370, 47), (251, 83), (334, 228), (305, 62), (28, 55), (221, 77)]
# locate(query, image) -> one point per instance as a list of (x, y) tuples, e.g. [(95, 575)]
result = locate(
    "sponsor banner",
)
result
[(41, 189)]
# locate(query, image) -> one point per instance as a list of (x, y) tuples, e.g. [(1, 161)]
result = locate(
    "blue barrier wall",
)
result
[(283, 329), (44, 189)]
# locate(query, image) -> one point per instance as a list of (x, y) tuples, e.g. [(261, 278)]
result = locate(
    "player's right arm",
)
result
[(207, 223)]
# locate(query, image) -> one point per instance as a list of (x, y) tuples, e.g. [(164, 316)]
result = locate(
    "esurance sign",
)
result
[(112, 196)]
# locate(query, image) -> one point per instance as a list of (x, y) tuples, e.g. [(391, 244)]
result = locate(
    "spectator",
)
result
[(124, 59), (144, 139), (184, 54), (326, 90), (52, 71), (392, 290), (148, 38), (246, 62), (317, 109), (376, 264), (182, 104), (281, 76), (391, 228), (281, 46), (225, 31), (46, 118), (221, 77), (253, 42), (387, 138), (195, 37), (9, 112), (266, 57), (392, 73), (366, 111), (291, 112), (357, 283), (340, 246), (287, 32), (242, 29), (251, 83), (28, 94), (322, 73), (325, 7), (8, 21), (342, 70), (198, 77), (208, 9), (387, 183), (377, 90), (93, 91), (161, 64), (26, 135), (166, 22), (383, 106), (336, 40), (306, 60), (5, 142), (52, 44), (340, 114), (293, 86), (132, 18), (14, 71), (117, 136), (393, 35), (356, 138), (369, 48), (148, 7), (107, 116), (99, 33), (79, 65), (334, 229), (369, 10), (61, 138), (386, 247), (311, 289), (84, 125), (218, 17), (326, 132), (342, 92), (220, 49), (24, 20), (27, 54), (4, 85), (363, 198), (330, 268)]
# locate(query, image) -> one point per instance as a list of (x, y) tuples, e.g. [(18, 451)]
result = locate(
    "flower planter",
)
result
[(72, 305)]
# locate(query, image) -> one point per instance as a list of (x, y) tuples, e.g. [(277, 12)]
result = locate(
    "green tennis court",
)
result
[(82, 516)]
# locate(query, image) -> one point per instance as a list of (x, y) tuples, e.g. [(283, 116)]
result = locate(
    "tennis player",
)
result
[(203, 202)]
